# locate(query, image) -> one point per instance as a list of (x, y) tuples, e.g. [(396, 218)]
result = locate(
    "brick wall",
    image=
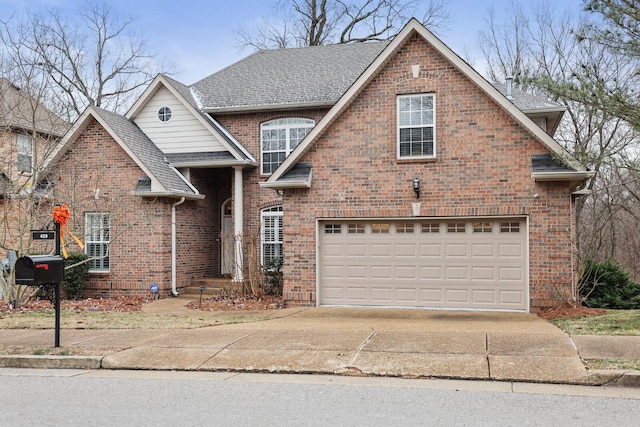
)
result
[(483, 167), (140, 252)]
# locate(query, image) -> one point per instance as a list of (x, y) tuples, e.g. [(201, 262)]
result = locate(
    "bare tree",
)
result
[(91, 58), (542, 53), (298, 23)]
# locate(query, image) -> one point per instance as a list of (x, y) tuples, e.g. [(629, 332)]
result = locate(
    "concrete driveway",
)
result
[(362, 341)]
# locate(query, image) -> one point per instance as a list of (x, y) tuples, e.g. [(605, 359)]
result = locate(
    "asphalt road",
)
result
[(155, 398)]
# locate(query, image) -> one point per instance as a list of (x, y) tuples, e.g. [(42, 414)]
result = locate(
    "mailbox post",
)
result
[(37, 270)]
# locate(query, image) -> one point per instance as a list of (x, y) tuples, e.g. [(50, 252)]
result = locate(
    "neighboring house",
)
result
[(26, 127), (320, 151), (28, 132)]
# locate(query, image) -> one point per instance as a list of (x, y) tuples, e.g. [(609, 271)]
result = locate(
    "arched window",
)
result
[(279, 137)]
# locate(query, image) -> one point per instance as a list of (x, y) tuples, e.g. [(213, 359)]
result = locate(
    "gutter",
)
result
[(286, 106), (214, 164), (286, 184), (562, 176), (170, 194), (174, 289)]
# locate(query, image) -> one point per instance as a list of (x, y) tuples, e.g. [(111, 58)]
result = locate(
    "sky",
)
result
[(199, 36)]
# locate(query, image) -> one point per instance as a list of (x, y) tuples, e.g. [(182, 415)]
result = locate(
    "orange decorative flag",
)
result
[(61, 215)]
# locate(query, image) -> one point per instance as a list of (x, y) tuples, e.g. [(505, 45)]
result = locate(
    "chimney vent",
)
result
[(510, 87)]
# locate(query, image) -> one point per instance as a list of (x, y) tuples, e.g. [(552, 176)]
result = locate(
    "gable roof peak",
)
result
[(414, 27)]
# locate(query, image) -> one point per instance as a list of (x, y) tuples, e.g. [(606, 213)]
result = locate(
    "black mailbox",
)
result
[(38, 270)]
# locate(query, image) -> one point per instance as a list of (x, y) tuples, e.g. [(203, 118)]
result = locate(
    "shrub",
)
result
[(273, 277), (608, 285), (75, 278)]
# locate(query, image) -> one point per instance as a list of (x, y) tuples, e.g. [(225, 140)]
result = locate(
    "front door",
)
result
[(227, 238)]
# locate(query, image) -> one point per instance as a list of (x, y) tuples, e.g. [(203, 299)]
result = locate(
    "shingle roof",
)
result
[(547, 163), (145, 151), (317, 75), (18, 110), (526, 101)]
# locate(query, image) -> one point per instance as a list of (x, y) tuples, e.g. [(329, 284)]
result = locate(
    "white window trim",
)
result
[(168, 110), (287, 124), (398, 127), (274, 211), (22, 140), (101, 241)]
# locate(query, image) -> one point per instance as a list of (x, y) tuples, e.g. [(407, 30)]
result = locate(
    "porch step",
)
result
[(212, 287)]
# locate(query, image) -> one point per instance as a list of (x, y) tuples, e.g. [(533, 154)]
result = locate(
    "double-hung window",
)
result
[(25, 153), (97, 232), (416, 126), (278, 138), (271, 235)]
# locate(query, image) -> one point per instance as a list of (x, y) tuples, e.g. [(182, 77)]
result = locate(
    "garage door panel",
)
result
[(406, 272), (511, 250), (405, 250), (457, 296), (484, 296), (332, 271), (430, 273), (483, 273), (381, 272), (425, 263), (332, 249), (355, 249), (430, 250), (456, 250), (380, 249), (357, 293), (431, 296), (456, 273), (381, 294), (356, 272), (511, 297), (511, 274), (482, 250), (406, 295)]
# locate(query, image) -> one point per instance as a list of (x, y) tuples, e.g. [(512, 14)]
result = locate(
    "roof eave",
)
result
[(252, 108), (214, 164), (277, 185), (562, 176), (168, 194)]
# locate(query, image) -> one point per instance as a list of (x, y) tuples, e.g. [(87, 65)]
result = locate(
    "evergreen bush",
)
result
[(75, 278), (608, 285)]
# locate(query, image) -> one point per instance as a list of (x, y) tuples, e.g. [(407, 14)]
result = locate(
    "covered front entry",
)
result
[(477, 263)]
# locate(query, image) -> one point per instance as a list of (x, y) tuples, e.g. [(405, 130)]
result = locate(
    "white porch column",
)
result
[(238, 216)]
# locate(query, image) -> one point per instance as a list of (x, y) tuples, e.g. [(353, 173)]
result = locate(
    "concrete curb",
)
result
[(605, 378), (51, 362), (615, 378)]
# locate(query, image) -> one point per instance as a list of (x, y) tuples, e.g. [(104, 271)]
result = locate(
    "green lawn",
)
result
[(615, 322)]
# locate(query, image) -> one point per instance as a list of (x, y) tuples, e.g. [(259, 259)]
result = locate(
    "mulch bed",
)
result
[(135, 303), (567, 311)]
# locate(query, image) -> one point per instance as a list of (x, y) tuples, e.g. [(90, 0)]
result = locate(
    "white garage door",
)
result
[(459, 264)]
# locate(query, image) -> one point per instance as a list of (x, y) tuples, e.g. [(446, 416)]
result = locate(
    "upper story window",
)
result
[(416, 126), (164, 114), (279, 137), (25, 153)]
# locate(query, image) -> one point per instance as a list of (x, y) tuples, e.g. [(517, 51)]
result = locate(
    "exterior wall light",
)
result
[(416, 187)]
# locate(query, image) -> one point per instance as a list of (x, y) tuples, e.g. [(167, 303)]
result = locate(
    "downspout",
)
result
[(174, 288)]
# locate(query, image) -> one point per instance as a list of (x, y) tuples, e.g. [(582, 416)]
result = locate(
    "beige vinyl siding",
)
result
[(184, 133)]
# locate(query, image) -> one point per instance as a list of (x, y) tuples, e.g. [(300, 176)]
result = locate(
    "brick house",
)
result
[(384, 174), (28, 132)]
